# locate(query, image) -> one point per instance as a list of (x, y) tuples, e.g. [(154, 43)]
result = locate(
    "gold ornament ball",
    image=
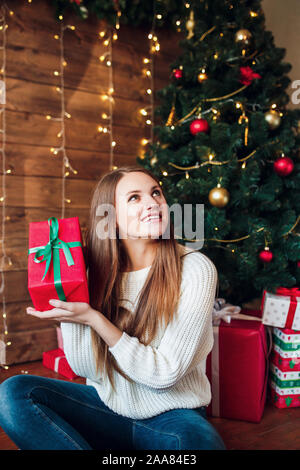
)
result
[(273, 118), (218, 197), (190, 24), (243, 36)]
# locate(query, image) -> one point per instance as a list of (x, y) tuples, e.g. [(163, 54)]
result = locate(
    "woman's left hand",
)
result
[(74, 312)]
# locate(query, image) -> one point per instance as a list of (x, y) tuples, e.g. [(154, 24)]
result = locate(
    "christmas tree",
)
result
[(225, 138)]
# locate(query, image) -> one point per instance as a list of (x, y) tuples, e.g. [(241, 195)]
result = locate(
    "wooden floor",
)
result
[(279, 429)]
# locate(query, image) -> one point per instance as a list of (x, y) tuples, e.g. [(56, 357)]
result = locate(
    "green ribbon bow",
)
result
[(53, 247)]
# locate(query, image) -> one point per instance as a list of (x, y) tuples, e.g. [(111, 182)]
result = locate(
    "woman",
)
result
[(141, 343)]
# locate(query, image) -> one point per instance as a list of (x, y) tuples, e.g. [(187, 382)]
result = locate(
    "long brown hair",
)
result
[(106, 257)]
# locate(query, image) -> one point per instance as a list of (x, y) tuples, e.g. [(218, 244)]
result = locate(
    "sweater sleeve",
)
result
[(189, 335)]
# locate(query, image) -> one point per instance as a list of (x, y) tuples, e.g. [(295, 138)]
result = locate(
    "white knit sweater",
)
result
[(168, 373)]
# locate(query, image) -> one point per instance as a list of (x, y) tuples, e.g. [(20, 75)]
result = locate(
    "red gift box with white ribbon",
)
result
[(57, 361), (237, 366)]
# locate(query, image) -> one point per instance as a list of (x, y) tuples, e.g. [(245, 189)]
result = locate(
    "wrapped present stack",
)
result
[(282, 312)]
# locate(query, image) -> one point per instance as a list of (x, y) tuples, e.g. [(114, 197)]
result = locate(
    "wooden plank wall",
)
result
[(34, 186)]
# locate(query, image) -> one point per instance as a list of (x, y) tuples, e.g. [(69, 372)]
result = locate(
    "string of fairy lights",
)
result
[(108, 36), (5, 258)]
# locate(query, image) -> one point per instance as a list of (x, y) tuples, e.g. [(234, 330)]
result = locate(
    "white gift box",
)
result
[(276, 310)]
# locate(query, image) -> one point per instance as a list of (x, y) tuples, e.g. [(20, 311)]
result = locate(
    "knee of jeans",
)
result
[(11, 390), (201, 435)]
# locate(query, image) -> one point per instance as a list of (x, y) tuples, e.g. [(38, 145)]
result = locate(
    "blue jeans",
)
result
[(40, 413)]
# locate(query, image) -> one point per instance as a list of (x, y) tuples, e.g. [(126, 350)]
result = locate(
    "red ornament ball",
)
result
[(199, 125), (266, 256), (283, 166), (177, 73), (298, 264)]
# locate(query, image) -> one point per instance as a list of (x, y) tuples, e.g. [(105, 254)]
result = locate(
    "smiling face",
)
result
[(137, 197)]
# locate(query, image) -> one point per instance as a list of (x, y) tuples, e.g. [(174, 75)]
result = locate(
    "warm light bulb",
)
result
[(108, 63), (115, 36), (104, 116), (150, 36), (48, 116), (149, 91), (113, 144), (165, 173), (144, 141), (56, 72), (102, 34), (106, 42), (148, 122), (143, 112)]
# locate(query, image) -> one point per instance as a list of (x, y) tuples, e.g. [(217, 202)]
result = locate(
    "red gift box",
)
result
[(237, 369), (281, 400), (286, 364), (57, 361), (61, 272)]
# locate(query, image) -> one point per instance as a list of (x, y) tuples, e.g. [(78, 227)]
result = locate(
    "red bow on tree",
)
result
[(247, 75), (76, 1)]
